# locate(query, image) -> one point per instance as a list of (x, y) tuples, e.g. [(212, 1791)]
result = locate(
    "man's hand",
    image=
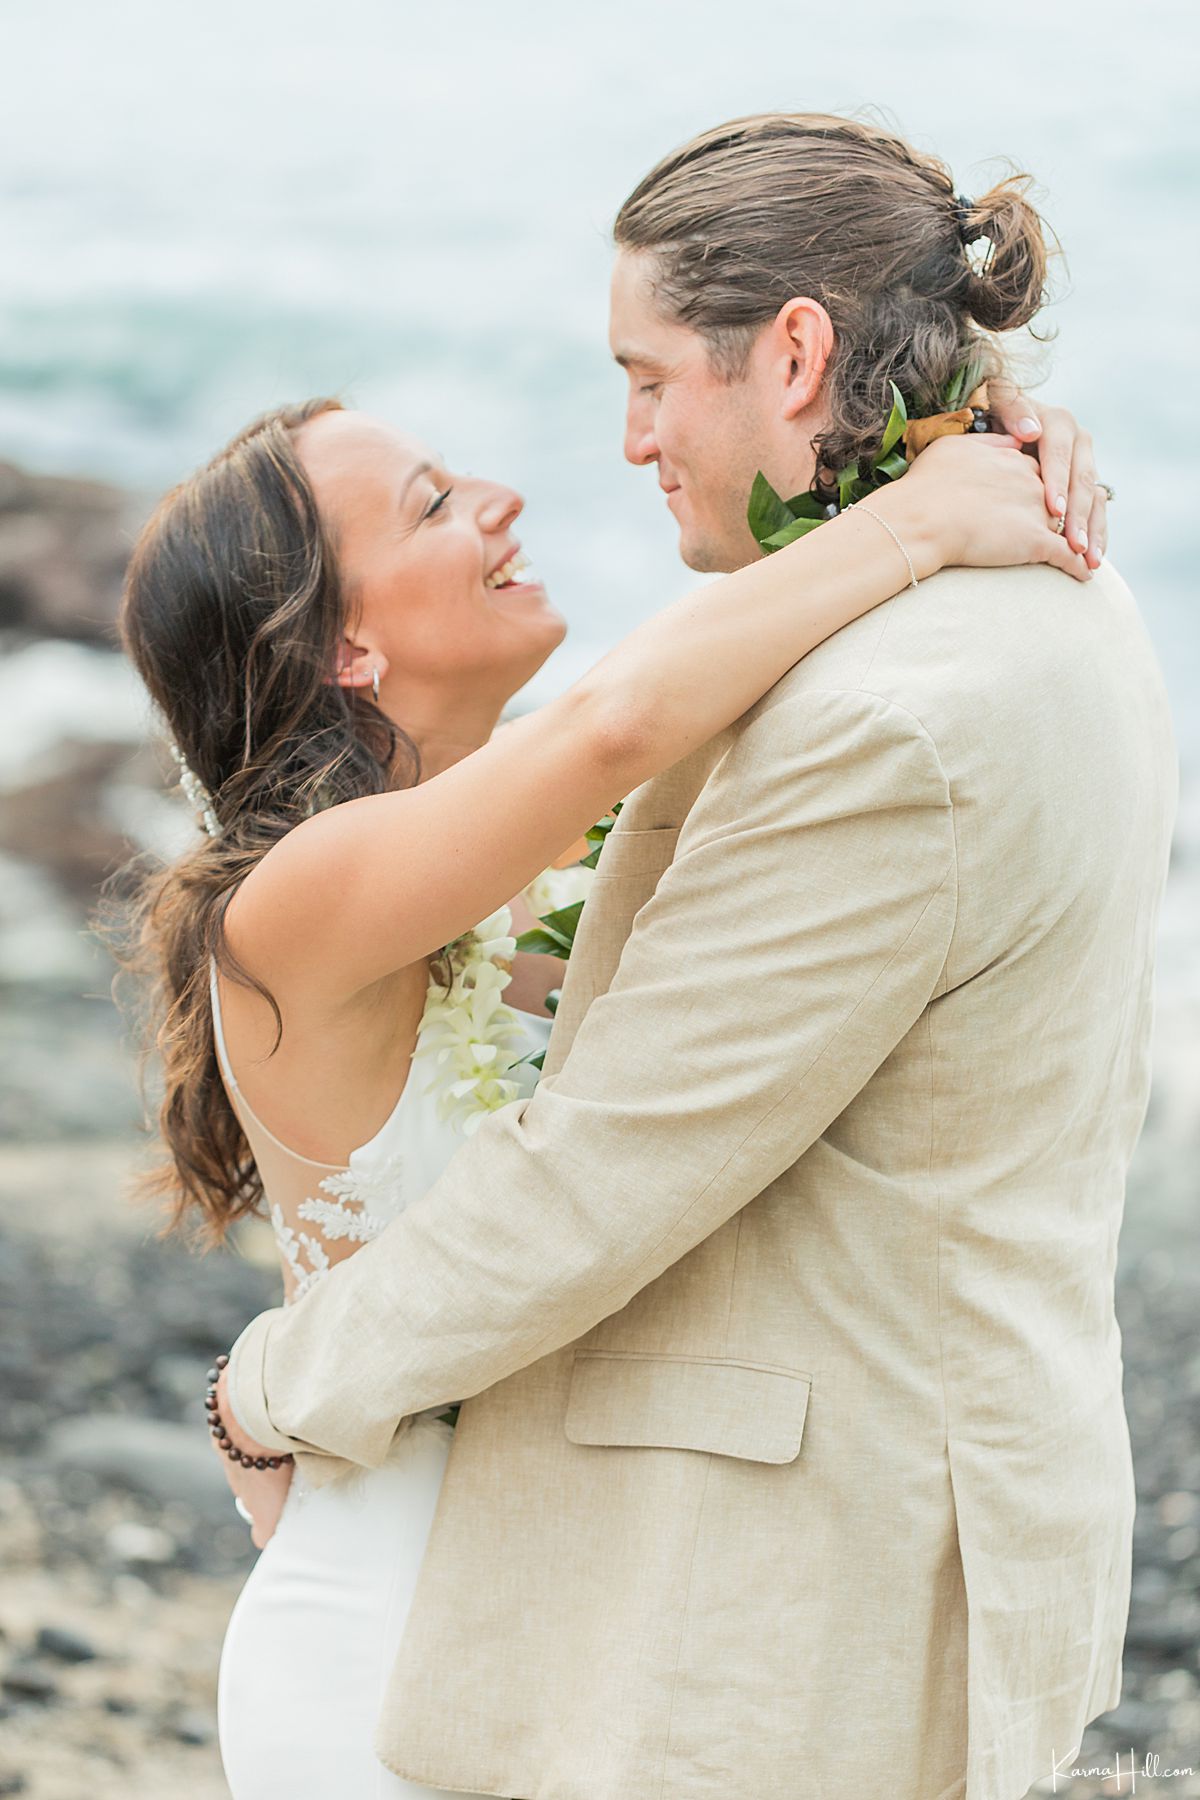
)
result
[(261, 1491), (1064, 452)]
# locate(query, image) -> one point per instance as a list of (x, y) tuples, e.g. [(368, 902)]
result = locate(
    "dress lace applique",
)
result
[(358, 1207), (472, 1040), (295, 1247)]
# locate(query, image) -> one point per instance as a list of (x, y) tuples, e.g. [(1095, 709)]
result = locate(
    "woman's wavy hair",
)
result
[(755, 211), (233, 613)]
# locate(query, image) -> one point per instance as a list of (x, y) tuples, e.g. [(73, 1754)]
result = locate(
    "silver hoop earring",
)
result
[(375, 685)]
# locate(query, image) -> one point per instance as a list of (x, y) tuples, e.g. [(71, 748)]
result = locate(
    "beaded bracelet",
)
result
[(221, 1432)]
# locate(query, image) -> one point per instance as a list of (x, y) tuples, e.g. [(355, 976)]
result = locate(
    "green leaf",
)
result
[(564, 921), (859, 490), (537, 942), (964, 383), (779, 540), (893, 466), (807, 506), (848, 480), (897, 420), (766, 512), (597, 835), (554, 933), (551, 1002)]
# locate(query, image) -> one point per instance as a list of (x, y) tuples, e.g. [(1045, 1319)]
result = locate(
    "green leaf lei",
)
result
[(776, 522), (554, 933)]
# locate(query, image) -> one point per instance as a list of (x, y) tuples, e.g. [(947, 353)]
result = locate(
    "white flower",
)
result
[(468, 1032), (979, 254), (555, 888)]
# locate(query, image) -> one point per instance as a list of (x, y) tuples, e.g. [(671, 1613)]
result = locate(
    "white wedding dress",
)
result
[(316, 1628)]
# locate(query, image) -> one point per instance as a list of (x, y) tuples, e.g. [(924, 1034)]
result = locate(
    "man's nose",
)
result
[(641, 445)]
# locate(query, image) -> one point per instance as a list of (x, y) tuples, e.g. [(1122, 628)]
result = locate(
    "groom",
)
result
[(795, 1462)]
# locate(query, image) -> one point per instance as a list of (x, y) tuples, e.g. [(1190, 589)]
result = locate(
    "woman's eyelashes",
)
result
[(438, 501)]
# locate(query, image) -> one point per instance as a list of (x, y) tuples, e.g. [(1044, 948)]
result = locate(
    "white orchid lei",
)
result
[(467, 1031)]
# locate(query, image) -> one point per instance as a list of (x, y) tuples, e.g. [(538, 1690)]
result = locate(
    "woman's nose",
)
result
[(500, 507)]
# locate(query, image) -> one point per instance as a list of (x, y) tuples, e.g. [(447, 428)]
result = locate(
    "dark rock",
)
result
[(163, 1461), (64, 545), (192, 1727), (1168, 1639), (66, 1646), (29, 1681), (60, 820)]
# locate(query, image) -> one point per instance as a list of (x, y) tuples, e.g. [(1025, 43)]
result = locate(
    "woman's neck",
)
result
[(443, 742)]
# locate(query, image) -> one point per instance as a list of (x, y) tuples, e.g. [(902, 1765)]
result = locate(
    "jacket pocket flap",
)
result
[(745, 1409), (633, 852)]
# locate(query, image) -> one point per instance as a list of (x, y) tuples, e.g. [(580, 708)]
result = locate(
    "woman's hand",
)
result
[(1065, 458), (261, 1491), (979, 502)]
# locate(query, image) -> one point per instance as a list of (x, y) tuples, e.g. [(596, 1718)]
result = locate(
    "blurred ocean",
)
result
[(208, 211), (205, 211)]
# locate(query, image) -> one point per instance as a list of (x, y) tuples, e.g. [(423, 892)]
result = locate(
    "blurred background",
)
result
[(207, 212)]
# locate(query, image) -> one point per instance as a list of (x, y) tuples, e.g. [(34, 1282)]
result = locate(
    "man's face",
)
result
[(708, 437)]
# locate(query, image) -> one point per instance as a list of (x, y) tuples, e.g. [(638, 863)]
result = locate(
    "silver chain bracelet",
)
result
[(904, 553)]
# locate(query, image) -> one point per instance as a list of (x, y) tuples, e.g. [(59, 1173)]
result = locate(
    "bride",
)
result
[(331, 623)]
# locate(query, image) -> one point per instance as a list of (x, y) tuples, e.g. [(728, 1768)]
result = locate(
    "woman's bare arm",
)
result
[(378, 883)]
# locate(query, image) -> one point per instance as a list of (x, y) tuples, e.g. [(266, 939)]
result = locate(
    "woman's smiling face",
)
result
[(419, 551)]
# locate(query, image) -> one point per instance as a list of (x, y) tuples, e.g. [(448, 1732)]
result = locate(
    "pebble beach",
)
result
[(120, 1554)]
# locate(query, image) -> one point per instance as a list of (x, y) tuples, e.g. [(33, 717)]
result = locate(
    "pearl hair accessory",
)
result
[(198, 795)]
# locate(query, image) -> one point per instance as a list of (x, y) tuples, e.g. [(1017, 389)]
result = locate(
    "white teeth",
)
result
[(502, 576)]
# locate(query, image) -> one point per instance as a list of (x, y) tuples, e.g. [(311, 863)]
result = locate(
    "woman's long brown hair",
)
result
[(232, 613)]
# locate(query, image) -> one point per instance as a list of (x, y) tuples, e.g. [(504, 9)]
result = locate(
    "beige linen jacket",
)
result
[(797, 1463)]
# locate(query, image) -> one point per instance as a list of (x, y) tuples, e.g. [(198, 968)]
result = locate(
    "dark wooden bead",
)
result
[(247, 1462), (212, 1375), (222, 1362), (233, 1453), (272, 1462), (260, 1462)]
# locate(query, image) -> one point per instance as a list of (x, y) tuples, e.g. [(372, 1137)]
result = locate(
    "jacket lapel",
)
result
[(639, 848)]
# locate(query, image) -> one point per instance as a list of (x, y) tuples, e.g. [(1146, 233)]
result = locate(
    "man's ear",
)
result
[(357, 665), (802, 340)]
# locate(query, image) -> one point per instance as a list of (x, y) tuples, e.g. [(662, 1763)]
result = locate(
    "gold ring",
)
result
[(1059, 526), (1109, 492)]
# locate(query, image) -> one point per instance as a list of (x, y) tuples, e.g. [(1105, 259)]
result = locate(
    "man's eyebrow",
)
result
[(638, 359)]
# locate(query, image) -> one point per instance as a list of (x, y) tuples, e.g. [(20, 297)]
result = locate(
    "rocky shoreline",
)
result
[(120, 1555)]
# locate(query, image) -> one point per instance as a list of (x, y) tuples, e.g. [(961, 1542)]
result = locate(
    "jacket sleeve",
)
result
[(797, 936)]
